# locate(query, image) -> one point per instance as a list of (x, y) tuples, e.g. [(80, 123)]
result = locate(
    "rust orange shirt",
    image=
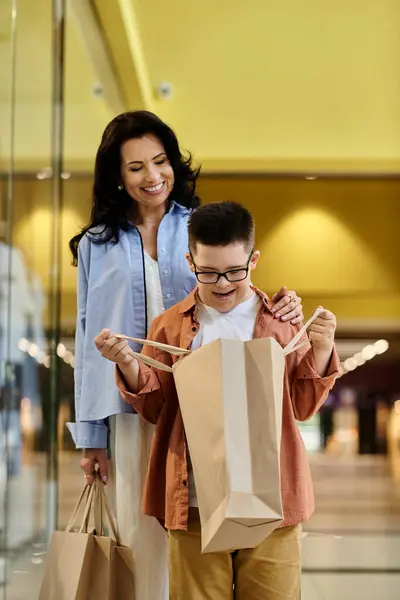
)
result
[(166, 494)]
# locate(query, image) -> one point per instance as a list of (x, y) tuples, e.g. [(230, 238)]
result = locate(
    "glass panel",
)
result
[(86, 113), (9, 430), (28, 252)]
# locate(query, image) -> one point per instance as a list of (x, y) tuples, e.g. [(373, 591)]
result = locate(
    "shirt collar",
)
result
[(176, 207)]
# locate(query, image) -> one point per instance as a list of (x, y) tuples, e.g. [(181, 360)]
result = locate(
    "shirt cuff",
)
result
[(88, 434), (145, 382), (306, 369)]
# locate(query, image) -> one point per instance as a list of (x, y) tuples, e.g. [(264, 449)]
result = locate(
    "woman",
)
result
[(131, 267)]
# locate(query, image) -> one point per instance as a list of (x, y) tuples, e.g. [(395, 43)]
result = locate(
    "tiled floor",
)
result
[(351, 586), (353, 549), (351, 545)]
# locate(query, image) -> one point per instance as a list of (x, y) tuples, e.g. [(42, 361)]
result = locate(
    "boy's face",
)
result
[(233, 260)]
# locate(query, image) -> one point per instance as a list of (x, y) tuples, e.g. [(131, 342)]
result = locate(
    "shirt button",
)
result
[(162, 249), (168, 295), (165, 271)]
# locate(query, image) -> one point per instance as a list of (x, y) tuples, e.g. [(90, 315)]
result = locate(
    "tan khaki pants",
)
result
[(272, 571)]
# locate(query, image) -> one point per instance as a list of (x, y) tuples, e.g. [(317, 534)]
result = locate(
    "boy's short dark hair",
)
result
[(220, 224)]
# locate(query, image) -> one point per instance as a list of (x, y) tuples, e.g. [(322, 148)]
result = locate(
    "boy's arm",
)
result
[(138, 384), (312, 372)]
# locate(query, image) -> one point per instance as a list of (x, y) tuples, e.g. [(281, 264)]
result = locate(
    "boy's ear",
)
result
[(254, 259), (190, 262)]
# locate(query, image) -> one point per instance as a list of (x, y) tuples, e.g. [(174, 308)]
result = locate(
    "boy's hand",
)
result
[(114, 349), (322, 331)]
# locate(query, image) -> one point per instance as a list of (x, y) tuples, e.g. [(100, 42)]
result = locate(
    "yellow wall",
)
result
[(335, 242)]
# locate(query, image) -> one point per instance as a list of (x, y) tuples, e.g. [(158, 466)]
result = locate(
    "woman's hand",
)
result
[(288, 306), (93, 457)]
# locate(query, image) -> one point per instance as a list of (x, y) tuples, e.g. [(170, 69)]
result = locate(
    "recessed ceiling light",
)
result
[(46, 173)]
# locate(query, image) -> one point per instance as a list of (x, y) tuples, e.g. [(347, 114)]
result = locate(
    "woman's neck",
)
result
[(150, 216)]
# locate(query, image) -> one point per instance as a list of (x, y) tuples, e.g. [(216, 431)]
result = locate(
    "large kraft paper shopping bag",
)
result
[(230, 393), (112, 563), (68, 562), (234, 437), (87, 566), (120, 575)]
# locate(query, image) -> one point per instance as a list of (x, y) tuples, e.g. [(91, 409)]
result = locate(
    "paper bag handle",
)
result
[(104, 504), (88, 507), (95, 495), (99, 501), (293, 345), (89, 492), (72, 520), (151, 362), (170, 349)]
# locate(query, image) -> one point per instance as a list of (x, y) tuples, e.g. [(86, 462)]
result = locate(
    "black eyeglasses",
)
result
[(213, 277)]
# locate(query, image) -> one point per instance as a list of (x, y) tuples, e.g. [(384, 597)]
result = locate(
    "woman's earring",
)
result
[(120, 187)]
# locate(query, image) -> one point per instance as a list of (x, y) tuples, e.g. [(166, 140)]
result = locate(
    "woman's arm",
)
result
[(90, 436)]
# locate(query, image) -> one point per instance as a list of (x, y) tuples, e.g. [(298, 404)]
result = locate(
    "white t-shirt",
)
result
[(238, 324), (154, 295)]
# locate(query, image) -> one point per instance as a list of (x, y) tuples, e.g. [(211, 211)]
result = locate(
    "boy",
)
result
[(225, 305)]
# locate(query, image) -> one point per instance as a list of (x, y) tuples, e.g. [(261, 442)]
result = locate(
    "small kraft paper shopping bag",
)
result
[(84, 565), (230, 394)]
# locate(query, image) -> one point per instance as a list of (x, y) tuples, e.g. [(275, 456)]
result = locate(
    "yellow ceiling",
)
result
[(257, 85)]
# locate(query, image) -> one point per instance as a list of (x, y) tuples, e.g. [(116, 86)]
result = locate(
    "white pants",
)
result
[(131, 440)]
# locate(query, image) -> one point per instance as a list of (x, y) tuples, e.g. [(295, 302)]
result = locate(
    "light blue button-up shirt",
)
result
[(112, 294)]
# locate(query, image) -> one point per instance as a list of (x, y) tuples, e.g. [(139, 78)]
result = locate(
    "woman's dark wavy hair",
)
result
[(112, 206)]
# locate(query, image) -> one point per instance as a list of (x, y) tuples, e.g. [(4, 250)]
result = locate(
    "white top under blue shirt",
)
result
[(112, 295)]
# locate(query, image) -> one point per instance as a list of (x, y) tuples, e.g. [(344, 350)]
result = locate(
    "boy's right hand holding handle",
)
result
[(119, 352)]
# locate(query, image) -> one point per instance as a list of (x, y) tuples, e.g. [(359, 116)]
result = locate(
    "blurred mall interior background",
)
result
[(292, 108)]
